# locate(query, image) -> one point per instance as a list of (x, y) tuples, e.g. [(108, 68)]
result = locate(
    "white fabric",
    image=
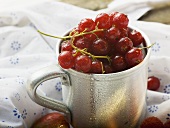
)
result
[(23, 51)]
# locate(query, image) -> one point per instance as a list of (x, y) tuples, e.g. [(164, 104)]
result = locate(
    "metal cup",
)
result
[(115, 100)]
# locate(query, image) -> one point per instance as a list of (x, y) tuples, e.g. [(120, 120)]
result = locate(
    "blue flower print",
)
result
[(14, 60), (156, 47), (17, 96), (58, 86), (165, 97), (43, 111), (19, 80), (149, 70), (24, 114), (16, 113), (15, 45), (167, 89), (153, 108)]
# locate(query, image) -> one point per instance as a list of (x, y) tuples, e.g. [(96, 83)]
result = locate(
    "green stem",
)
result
[(83, 51), (147, 46), (68, 37)]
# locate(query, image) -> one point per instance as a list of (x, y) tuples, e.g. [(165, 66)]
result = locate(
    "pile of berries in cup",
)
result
[(103, 45)]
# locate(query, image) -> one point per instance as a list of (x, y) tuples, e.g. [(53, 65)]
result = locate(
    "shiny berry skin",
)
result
[(152, 122), (124, 32), (82, 43), (83, 63), (66, 46), (96, 67), (153, 83), (100, 47), (76, 54), (90, 37), (51, 120), (123, 45), (120, 20), (66, 59), (134, 56), (100, 34), (107, 68), (112, 15), (112, 34), (118, 63), (136, 37), (87, 24), (102, 21)]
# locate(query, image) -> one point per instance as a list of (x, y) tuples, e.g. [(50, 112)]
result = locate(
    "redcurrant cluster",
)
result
[(103, 45)]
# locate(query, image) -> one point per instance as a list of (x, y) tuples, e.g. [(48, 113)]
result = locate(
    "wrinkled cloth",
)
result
[(24, 51)]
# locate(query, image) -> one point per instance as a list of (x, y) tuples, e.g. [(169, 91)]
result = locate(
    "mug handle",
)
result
[(39, 77)]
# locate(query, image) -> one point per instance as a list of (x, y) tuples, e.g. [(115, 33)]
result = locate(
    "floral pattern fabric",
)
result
[(24, 51)]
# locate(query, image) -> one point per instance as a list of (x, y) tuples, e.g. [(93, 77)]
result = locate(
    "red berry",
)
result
[(112, 34), (51, 120), (134, 57), (136, 37), (123, 45), (103, 21), (118, 63), (107, 68), (66, 46), (83, 63), (100, 34), (65, 59), (151, 122), (86, 24), (90, 37), (96, 67), (120, 20), (112, 15), (100, 47), (153, 83), (75, 54), (82, 43), (124, 32)]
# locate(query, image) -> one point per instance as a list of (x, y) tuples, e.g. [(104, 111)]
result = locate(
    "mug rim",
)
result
[(119, 74)]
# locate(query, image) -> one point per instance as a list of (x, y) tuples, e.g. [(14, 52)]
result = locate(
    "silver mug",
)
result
[(115, 100)]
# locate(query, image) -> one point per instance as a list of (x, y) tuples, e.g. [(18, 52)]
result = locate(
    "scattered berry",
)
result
[(152, 122), (153, 83), (51, 120)]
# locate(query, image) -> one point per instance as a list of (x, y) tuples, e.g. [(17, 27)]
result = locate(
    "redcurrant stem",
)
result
[(147, 46), (103, 71), (83, 51), (68, 37)]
